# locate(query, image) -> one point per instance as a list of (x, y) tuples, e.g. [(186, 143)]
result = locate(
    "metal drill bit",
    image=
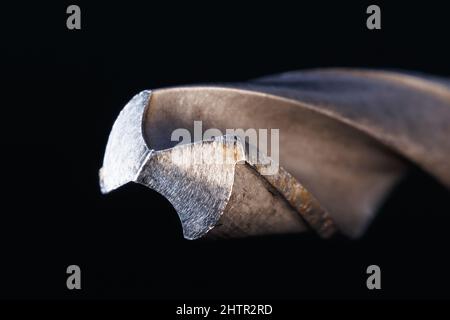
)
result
[(346, 137), (202, 192)]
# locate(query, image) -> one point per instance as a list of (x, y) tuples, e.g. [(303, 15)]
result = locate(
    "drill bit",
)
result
[(346, 138)]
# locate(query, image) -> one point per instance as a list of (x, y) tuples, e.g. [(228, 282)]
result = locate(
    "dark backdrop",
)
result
[(61, 91)]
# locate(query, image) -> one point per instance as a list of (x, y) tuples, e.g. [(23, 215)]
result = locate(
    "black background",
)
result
[(61, 91)]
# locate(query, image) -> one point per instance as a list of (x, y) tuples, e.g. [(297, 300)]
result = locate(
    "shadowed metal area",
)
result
[(346, 138)]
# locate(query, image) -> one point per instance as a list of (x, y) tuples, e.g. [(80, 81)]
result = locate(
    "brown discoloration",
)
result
[(256, 207), (302, 201)]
